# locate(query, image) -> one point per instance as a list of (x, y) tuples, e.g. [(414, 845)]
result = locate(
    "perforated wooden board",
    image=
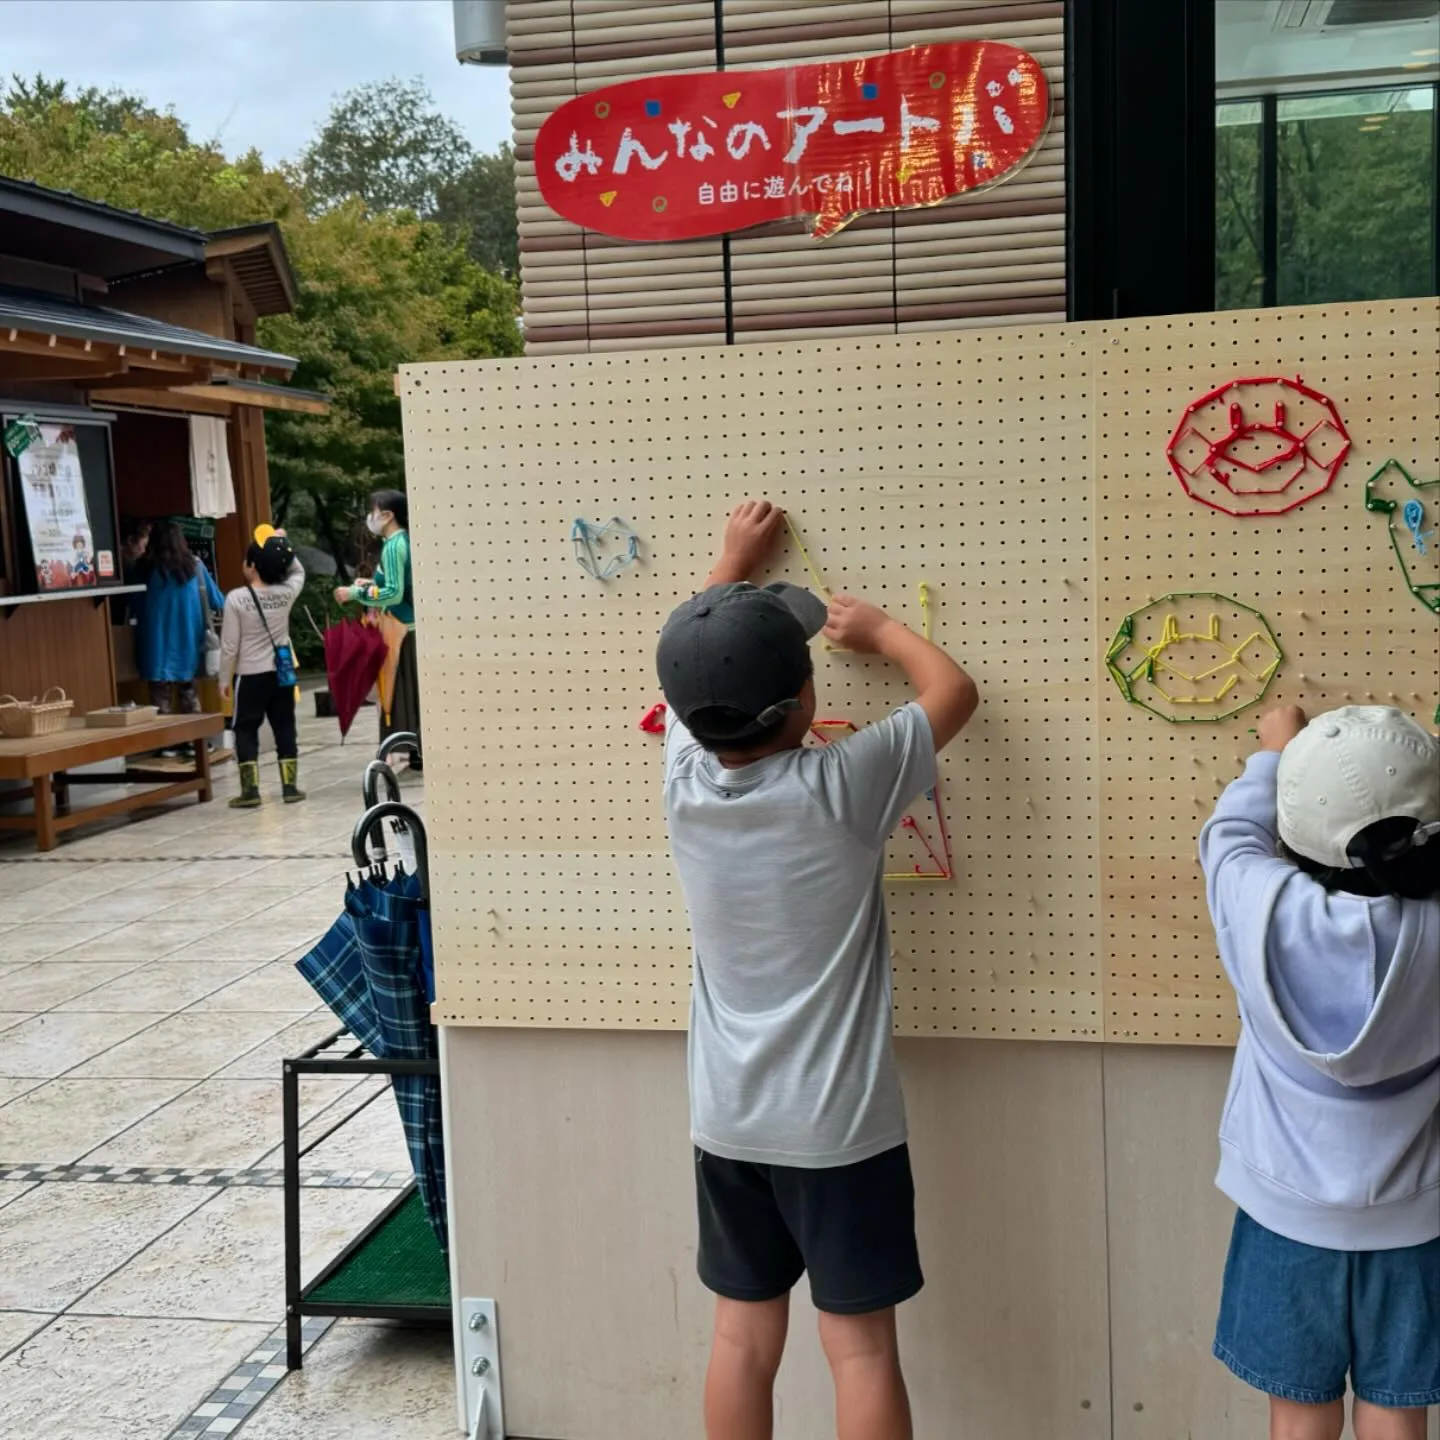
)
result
[(972, 461), (1324, 575)]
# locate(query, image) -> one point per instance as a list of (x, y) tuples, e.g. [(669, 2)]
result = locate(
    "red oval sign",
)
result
[(682, 156)]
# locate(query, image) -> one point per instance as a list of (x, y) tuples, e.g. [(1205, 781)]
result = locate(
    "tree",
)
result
[(376, 291), (376, 288), (387, 144), (113, 147), (1354, 203), (479, 206)]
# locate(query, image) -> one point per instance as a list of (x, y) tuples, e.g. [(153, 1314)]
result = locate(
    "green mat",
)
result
[(400, 1264)]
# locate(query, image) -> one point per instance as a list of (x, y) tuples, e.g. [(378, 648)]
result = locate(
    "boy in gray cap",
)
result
[(796, 1113)]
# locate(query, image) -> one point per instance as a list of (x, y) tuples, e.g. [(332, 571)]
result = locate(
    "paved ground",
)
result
[(147, 996)]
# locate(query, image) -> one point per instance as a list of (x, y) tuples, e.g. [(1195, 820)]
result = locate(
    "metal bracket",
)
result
[(480, 1359)]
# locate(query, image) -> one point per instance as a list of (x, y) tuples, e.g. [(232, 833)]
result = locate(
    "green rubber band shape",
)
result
[(1427, 592), (1144, 683)]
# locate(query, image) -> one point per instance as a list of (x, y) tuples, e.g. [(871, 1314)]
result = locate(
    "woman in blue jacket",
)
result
[(171, 639)]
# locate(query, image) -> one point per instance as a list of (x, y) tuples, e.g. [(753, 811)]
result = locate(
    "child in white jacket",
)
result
[(256, 661), (1322, 864)]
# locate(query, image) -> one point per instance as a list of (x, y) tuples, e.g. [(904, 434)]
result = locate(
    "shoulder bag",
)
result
[(284, 658)]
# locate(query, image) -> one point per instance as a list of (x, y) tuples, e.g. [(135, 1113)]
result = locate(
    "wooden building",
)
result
[(124, 328)]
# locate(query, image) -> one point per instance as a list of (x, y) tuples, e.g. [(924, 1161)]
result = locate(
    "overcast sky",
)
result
[(258, 73)]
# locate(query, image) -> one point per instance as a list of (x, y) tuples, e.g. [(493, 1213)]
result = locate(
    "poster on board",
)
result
[(677, 157), (54, 489)]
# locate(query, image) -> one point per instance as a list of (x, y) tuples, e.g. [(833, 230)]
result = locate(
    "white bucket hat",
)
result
[(1349, 768)]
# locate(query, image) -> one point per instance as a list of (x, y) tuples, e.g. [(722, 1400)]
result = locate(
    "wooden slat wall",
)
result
[(584, 291), (992, 257)]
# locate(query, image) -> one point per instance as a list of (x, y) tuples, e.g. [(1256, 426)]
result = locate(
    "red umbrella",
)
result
[(354, 657)]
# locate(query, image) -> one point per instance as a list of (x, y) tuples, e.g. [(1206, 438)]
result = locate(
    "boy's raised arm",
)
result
[(750, 535), (946, 694)]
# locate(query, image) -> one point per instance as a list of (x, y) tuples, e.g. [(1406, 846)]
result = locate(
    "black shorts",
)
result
[(851, 1227)]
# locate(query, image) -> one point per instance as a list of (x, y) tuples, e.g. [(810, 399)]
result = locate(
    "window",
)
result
[(1325, 197)]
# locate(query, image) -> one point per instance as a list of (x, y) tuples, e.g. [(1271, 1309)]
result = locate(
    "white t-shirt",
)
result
[(791, 1055), (246, 646)]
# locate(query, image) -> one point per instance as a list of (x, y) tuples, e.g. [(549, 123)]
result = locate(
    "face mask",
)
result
[(374, 524)]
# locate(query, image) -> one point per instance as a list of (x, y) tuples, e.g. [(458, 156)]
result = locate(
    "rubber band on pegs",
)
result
[(927, 622), (1153, 680), (1427, 592), (589, 540)]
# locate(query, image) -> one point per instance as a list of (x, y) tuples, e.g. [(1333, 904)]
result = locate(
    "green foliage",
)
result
[(387, 144), (1355, 192), (480, 204), (377, 287), (113, 147), (1356, 216)]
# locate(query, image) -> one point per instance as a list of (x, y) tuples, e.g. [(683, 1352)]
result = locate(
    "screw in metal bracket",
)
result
[(479, 1321), (480, 1366)]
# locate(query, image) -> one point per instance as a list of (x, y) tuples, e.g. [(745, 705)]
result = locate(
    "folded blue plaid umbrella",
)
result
[(335, 973), (389, 920)]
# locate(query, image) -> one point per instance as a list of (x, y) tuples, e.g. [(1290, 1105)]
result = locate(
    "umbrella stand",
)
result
[(392, 1270)]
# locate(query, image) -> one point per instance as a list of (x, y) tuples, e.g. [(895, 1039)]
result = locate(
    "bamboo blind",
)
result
[(991, 257)]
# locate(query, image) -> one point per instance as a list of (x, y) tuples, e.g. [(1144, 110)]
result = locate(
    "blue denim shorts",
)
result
[(1296, 1320)]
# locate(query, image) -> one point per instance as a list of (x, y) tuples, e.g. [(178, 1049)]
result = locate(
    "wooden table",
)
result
[(46, 760)]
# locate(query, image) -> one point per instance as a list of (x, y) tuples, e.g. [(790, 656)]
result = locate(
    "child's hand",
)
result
[(342, 594), (856, 625), (750, 535), (1280, 725)]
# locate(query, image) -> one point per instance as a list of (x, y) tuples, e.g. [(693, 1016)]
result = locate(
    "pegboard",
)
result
[(977, 462), (1323, 574)]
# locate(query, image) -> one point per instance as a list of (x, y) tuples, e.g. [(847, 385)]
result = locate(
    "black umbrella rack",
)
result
[(394, 1268)]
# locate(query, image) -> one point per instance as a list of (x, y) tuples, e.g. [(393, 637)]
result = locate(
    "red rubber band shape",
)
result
[(1259, 445)]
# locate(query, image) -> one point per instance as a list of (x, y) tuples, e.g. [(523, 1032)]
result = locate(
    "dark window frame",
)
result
[(1140, 123)]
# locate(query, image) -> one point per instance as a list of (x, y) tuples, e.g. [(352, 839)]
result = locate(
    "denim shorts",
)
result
[(1296, 1320)]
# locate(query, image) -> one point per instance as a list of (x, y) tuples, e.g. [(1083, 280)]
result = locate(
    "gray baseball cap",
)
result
[(734, 659)]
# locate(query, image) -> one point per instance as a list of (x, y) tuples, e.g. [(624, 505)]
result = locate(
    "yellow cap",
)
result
[(263, 533)]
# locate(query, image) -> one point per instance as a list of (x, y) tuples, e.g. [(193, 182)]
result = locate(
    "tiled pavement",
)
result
[(147, 997)]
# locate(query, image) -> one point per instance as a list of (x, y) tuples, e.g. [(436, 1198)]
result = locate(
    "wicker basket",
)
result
[(25, 719)]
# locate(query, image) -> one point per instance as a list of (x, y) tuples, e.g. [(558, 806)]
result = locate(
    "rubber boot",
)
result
[(290, 792), (249, 796)]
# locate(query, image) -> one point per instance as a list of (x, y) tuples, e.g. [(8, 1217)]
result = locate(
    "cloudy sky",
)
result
[(256, 73)]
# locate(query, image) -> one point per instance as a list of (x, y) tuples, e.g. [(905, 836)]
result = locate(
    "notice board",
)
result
[(1048, 486)]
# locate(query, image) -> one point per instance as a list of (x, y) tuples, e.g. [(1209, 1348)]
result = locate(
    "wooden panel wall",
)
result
[(994, 257), (58, 642), (1021, 474), (575, 1180)]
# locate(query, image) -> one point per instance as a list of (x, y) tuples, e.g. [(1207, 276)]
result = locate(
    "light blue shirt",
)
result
[(1331, 1130), (791, 1055)]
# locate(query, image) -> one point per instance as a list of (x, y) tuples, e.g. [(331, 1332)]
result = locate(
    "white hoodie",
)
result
[(1331, 1130)]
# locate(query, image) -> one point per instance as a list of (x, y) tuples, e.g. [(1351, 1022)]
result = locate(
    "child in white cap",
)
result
[(1322, 866)]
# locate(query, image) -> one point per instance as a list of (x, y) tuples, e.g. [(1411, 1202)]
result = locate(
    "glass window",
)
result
[(1355, 196), (1239, 237), (1325, 197)]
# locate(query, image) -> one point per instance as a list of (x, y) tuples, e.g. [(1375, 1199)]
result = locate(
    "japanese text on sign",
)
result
[(681, 156)]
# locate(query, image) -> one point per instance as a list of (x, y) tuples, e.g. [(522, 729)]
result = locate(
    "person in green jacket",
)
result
[(392, 589)]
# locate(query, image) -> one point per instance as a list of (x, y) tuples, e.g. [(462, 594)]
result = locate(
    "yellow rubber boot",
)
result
[(249, 796), (290, 792)]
